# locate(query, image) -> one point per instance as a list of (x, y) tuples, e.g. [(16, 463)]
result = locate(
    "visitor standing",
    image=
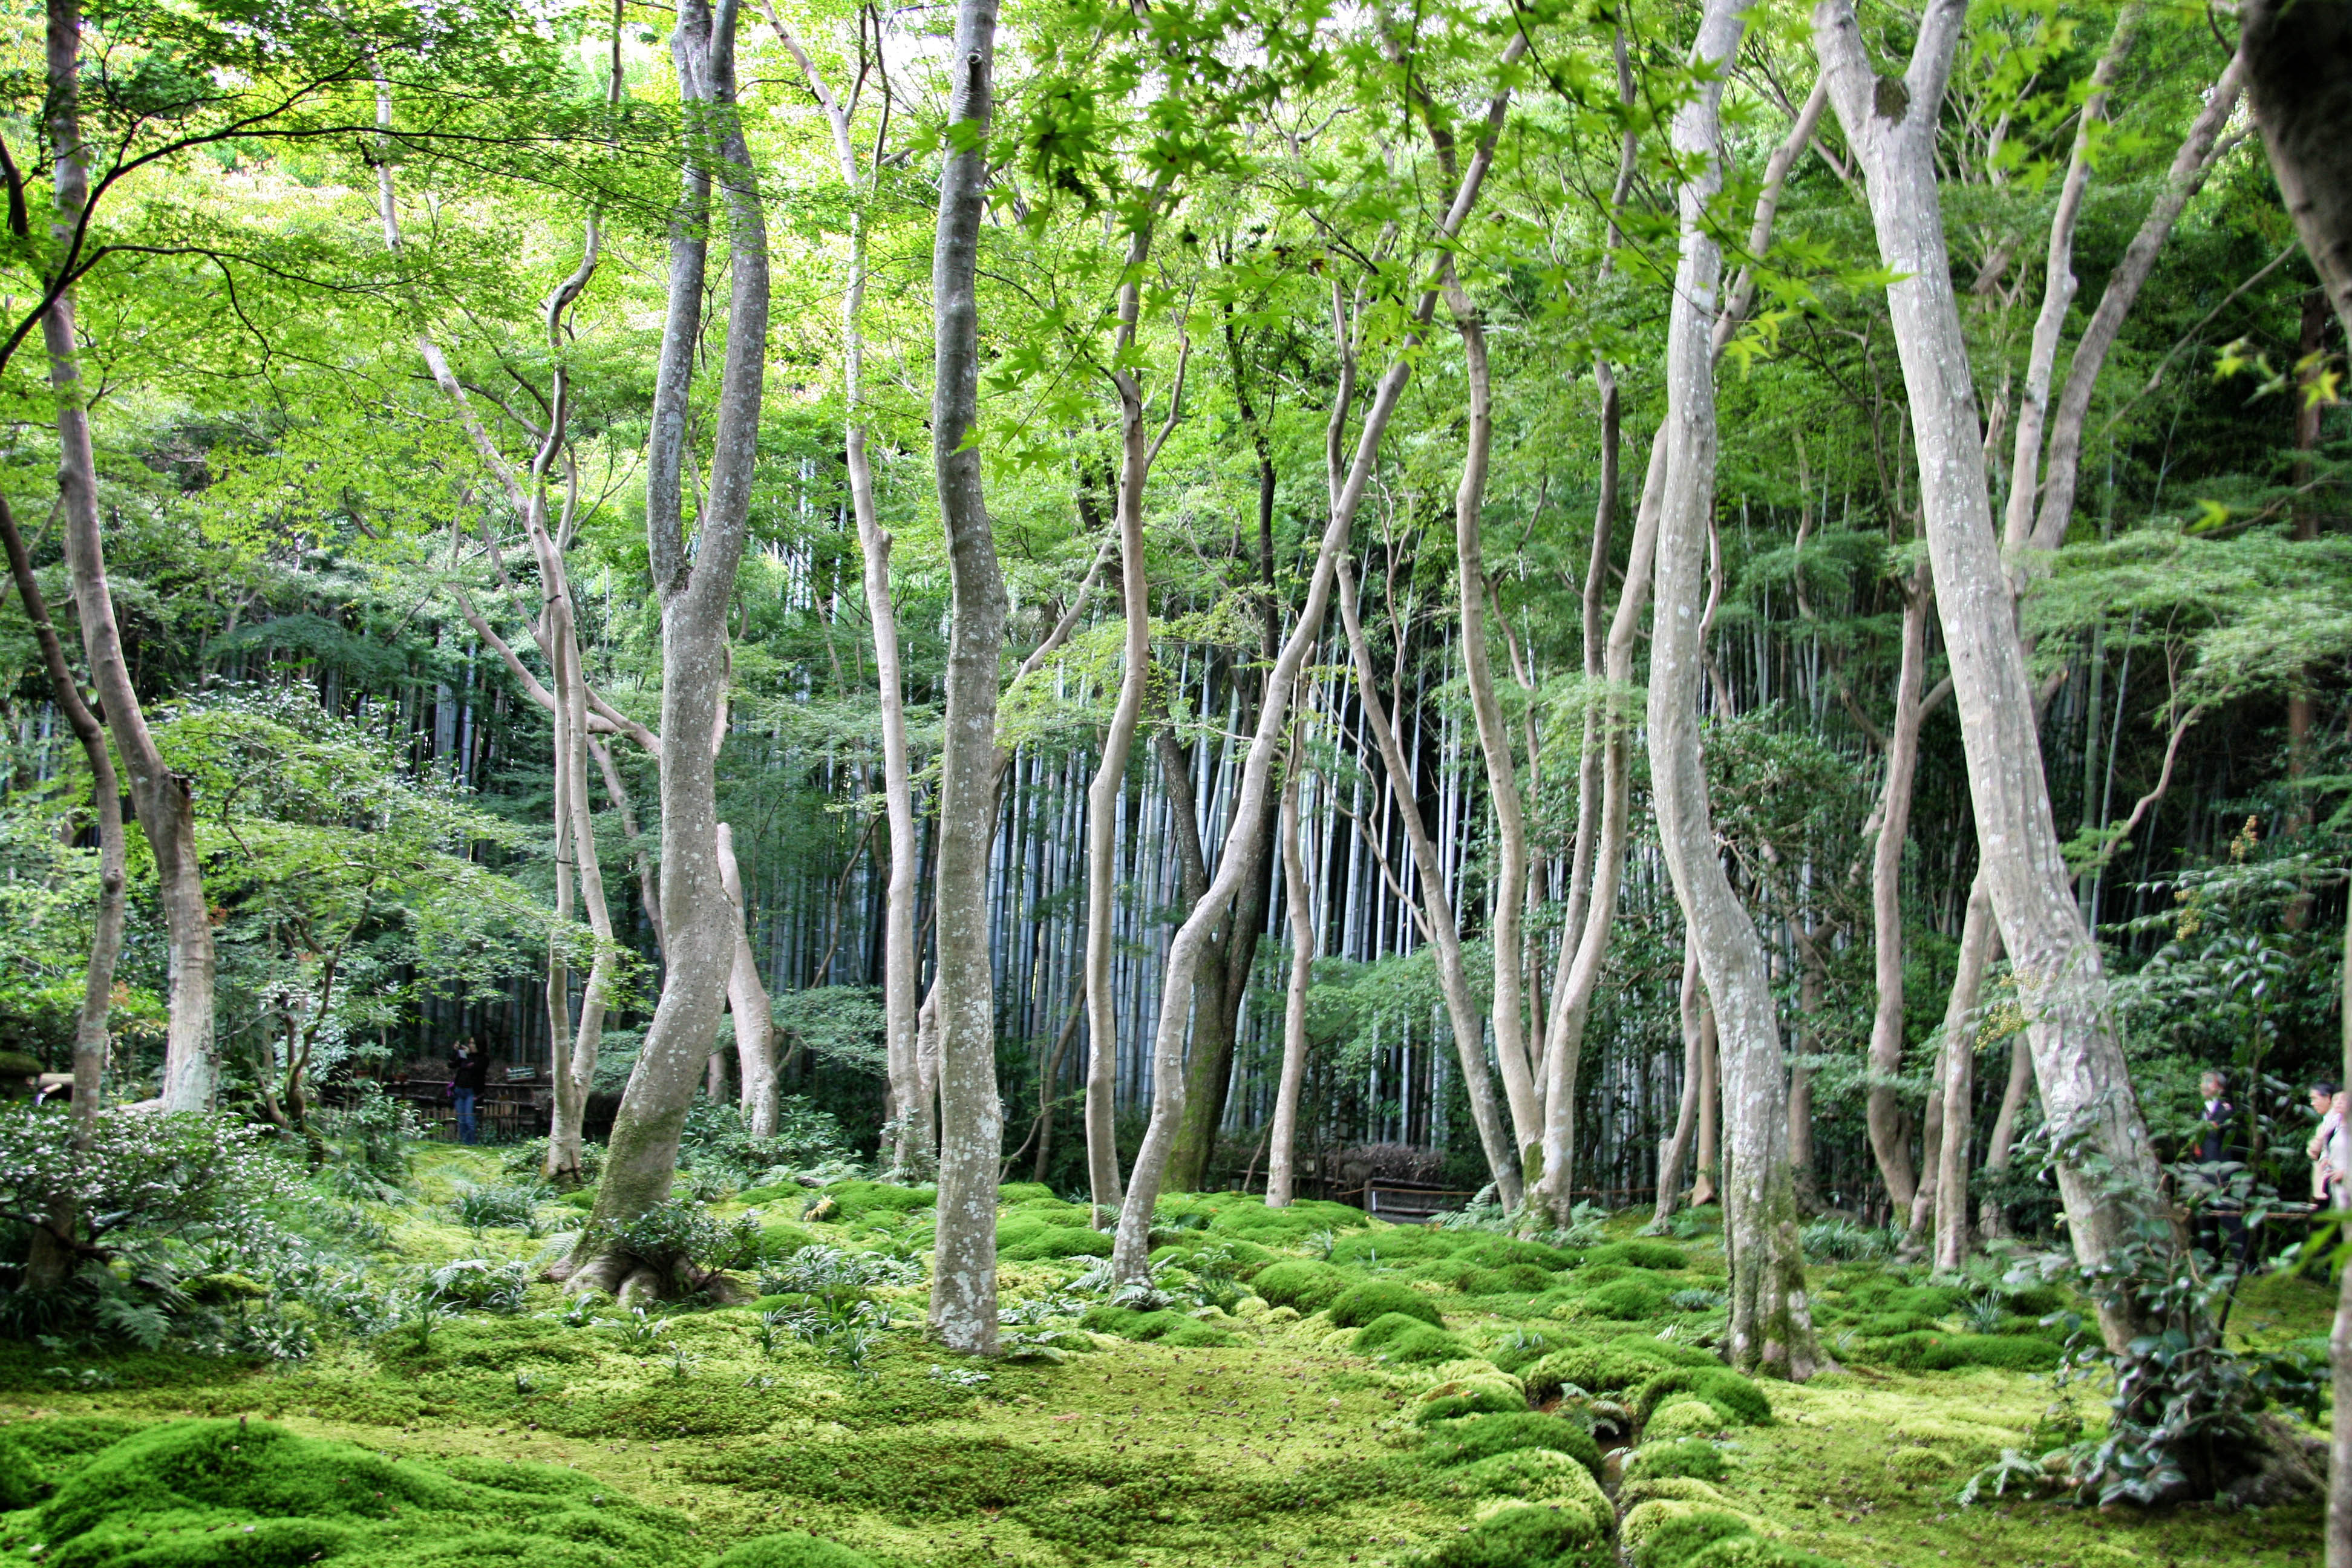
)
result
[(2216, 1116), (2320, 1150), (467, 1074)]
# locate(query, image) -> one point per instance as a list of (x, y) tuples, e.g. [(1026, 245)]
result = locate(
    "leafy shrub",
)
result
[(1682, 1457), (793, 1549), (1484, 1436), (145, 1176), (484, 1286), (1309, 1287), (1832, 1239), (715, 1141), (1360, 1304), (831, 1272), (370, 1139), (1639, 1255), (681, 1241), (507, 1206)]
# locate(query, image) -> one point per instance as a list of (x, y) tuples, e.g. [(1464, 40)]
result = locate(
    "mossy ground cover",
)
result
[(1259, 1436)]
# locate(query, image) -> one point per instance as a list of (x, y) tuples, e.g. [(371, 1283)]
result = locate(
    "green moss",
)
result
[(1524, 1536), (847, 1201), (1754, 1551), (1947, 1352), (1468, 1396), (1666, 1533), (1360, 1304), (1484, 1436), (1639, 1255), (21, 1485), (1309, 1287), (1741, 1401), (1248, 1217), (1163, 1327), (1627, 1300), (229, 1494), (1247, 1258), (1420, 1345), (1013, 1193), (1682, 1457), (1398, 1243), (1506, 1252), (1020, 1239), (1526, 1347), (1513, 1280), (793, 1549)]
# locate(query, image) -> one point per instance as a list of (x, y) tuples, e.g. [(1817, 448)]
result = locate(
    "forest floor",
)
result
[(1321, 1416)]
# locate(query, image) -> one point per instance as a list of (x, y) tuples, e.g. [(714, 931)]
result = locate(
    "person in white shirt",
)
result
[(2319, 1150)]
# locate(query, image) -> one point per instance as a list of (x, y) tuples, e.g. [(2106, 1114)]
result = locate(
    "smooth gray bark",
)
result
[(1890, 1144), (1283, 1136), (1976, 942), (1890, 123), (1771, 1320), (1673, 1153), (748, 1005), (695, 592), (964, 1257)]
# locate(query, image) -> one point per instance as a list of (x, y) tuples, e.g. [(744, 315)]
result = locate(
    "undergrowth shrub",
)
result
[(681, 1241)]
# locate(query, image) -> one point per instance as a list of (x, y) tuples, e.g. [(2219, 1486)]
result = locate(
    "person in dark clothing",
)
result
[(468, 1072), (2217, 1113)]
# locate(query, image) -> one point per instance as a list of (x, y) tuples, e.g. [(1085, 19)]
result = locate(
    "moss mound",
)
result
[(1669, 1533), (1468, 1396), (847, 1203), (1738, 1399), (1484, 1436), (1025, 1193), (1398, 1243), (1511, 1279), (1626, 1301), (1396, 1338), (793, 1549), (1030, 1235), (1639, 1255), (1683, 1456), (1309, 1287), (1926, 1351), (1246, 1258), (226, 1494), (1506, 1252), (1523, 1348), (1360, 1304), (1525, 1535), (1162, 1327), (1248, 1218)]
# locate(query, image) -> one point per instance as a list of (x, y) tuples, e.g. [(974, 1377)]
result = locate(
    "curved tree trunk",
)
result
[(1675, 1152), (1890, 1136), (2085, 1086), (964, 1257), (1771, 1324), (166, 815), (695, 592), (1976, 942)]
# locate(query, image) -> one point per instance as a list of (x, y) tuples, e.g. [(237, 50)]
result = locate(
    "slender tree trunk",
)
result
[(1771, 1324), (2085, 1086), (695, 592), (1916, 1238), (1958, 1087), (1675, 1152), (1890, 1138), (1708, 1165), (1510, 843), (964, 1259), (166, 814), (52, 1261), (1812, 986), (747, 1000), (1296, 897)]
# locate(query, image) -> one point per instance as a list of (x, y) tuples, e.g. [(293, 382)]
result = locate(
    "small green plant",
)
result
[(1983, 1313), (682, 1362), (640, 1333), (422, 1313), (479, 1284), (507, 1206), (1320, 1243)]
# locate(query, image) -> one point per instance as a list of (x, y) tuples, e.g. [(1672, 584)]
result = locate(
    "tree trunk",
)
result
[(52, 1261), (1772, 1325), (2339, 1349), (1707, 1162), (964, 1259), (747, 1000), (1284, 1136), (1510, 843), (1890, 1139), (1957, 1087), (1813, 987), (695, 592), (1675, 1151), (166, 814), (2299, 75), (2086, 1085)]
